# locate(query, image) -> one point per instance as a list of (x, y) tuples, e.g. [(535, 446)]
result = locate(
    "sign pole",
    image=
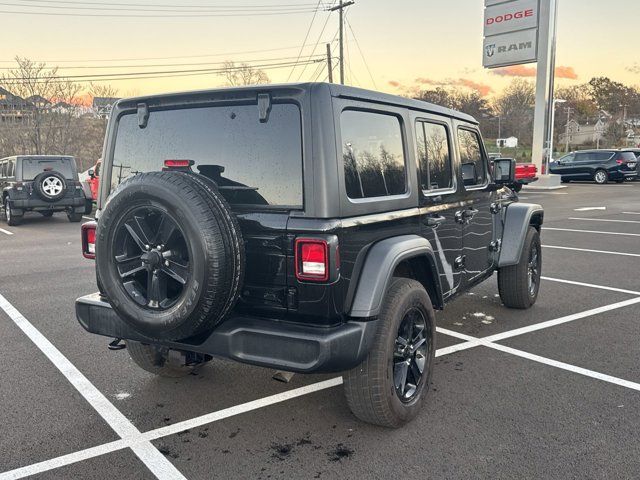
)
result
[(544, 86)]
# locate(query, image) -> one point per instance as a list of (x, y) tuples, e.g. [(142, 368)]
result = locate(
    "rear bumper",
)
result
[(39, 204), (267, 343)]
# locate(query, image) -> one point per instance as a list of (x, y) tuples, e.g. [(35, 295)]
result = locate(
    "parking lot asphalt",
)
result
[(552, 392)]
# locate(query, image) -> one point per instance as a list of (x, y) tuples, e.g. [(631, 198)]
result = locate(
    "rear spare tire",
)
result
[(50, 186), (170, 254)]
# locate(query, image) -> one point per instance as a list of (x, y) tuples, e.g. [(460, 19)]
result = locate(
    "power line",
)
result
[(162, 64), (361, 54), (309, 4), (149, 15), (305, 38), (159, 8), (146, 75), (226, 54), (316, 45)]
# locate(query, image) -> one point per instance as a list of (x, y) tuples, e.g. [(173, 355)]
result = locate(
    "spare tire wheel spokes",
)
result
[(139, 231), (156, 277), (128, 266), (179, 271)]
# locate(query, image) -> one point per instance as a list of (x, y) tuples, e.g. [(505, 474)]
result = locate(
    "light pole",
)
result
[(553, 119)]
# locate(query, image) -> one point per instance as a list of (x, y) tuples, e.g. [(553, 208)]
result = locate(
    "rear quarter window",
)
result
[(373, 154)]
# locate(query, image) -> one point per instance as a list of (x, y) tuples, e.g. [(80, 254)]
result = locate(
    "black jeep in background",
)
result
[(42, 183), (308, 228)]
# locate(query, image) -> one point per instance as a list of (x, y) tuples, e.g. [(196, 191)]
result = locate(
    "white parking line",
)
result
[(88, 218), (7, 232), (590, 285), (150, 456), (539, 192), (603, 220), (624, 254), (137, 440), (631, 213), (485, 342), (591, 231)]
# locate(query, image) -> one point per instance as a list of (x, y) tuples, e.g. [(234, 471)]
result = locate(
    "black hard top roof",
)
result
[(342, 91)]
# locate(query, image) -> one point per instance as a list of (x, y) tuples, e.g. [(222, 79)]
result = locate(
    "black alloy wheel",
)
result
[(410, 355), (533, 271), (152, 257)]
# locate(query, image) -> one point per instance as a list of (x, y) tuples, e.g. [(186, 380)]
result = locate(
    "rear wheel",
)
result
[(10, 217), (390, 387), (519, 284), (163, 361), (600, 177), (74, 217)]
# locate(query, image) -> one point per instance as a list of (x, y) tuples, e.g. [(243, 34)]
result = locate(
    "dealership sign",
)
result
[(511, 32)]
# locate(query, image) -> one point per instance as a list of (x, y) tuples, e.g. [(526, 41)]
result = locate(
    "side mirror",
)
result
[(504, 171)]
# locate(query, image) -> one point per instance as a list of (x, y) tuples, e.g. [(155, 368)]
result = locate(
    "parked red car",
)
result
[(525, 173)]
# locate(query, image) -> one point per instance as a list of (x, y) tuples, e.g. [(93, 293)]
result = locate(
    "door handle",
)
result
[(435, 221)]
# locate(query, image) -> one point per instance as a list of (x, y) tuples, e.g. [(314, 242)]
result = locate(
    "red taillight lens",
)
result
[(312, 260), (619, 161), (88, 233), (178, 163)]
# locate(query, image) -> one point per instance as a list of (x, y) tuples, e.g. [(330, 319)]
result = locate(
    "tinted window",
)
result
[(593, 156), (254, 163), (627, 156), (374, 164), (567, 158), (3, 169), (434, 156), (32, 167), (471, 159)]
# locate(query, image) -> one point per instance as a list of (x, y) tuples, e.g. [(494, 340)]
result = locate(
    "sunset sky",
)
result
[(405, 42)]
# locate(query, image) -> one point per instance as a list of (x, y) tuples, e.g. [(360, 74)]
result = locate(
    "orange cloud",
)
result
[(524, 71), (481, 88)]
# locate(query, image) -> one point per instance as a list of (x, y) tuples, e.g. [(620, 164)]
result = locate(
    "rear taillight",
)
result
[(619, 161), (88, 233), (312, 260)]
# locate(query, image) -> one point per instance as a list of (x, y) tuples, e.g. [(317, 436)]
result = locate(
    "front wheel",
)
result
[(519, 284), (390, 387), (164, 362)]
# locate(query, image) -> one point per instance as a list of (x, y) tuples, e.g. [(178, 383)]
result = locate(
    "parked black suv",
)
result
[(42, 183), (308, 228), (597, 165)]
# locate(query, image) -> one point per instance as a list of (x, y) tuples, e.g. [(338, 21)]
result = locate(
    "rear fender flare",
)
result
[(517, 219), (377, 272)]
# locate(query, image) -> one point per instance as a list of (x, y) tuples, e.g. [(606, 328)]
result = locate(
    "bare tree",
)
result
[(243, 74)]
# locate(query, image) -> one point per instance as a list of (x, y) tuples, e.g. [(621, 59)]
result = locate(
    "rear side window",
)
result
[(471, 158), (434, 156), (627, 156), (373, 154), (32, 167), (10, 168), (255, 163)]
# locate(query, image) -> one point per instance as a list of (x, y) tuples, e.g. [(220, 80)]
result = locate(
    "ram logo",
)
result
[(491, 49)]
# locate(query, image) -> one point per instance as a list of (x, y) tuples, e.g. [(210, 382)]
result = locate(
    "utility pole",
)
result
[(566, 133), (340, 7), (329, 63)]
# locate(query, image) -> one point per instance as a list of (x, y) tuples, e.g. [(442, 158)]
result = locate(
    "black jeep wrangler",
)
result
[(307, 228), (42, 183)]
